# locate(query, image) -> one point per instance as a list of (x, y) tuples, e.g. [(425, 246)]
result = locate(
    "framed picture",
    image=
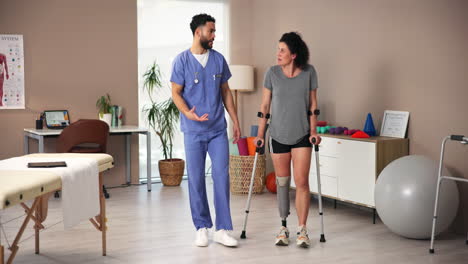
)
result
[(11, 72), (394, 124)]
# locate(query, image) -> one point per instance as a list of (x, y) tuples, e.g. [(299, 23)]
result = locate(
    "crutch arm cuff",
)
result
[(261, 115), (315, 112)]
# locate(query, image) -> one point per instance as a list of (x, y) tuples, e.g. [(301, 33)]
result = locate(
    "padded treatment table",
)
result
[(20, 186)]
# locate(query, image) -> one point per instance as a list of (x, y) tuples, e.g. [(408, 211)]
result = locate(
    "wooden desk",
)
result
[(40, 134)]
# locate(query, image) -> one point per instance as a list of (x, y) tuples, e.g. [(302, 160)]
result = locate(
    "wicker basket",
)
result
[(171, 171), (240, 172)]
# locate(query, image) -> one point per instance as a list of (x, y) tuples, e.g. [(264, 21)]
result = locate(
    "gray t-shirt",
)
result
[(290, 103)]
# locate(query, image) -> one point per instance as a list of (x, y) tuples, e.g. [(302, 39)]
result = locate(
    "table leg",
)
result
[(26, 144), (128, 154), (102, 216), (148, 160), (41, 144)]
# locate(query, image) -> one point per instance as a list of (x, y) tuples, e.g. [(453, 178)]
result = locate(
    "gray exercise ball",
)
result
[(405, 194)]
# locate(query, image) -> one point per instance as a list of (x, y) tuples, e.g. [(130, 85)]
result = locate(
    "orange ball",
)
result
[(271, 182)]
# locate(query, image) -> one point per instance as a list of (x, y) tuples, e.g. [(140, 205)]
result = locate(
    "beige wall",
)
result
[(75, 51), (371, 55)]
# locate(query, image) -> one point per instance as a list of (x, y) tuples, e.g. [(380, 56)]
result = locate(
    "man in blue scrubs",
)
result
[(201, 92)]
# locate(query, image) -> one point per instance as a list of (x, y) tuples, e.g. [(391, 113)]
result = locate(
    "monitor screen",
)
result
[(57, 118)]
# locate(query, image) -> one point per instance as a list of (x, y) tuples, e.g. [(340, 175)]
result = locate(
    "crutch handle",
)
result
[(459, 138), (259, 149), (314, 140)]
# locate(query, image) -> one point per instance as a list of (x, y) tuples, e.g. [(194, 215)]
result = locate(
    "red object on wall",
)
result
[(271, 182)]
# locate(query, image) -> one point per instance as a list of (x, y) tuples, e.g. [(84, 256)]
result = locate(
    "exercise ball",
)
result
[(405, 193), (271, 182)]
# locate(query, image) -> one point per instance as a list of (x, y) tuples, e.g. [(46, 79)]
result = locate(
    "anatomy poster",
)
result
[(11, 72)]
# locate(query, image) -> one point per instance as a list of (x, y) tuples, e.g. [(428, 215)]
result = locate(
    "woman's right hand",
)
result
[(257, 139)]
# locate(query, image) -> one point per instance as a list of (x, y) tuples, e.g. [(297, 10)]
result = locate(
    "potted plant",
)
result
[(105, 107), (163, 118)]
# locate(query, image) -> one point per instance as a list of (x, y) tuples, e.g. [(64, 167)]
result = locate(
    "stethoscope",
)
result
[(196, 78)]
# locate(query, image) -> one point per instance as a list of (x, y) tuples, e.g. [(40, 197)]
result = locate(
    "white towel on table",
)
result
[(80, 185)]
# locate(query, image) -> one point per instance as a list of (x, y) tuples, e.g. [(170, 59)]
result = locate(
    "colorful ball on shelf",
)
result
[(350, 132), (321, 130), (321, 123), (271, 182)]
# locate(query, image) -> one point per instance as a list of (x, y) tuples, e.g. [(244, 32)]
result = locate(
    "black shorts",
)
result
[(277, 148)]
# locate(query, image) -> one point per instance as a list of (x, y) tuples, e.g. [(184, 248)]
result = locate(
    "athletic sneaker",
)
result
[(223, 237), (302, 237), (282, 239), (201, 239)]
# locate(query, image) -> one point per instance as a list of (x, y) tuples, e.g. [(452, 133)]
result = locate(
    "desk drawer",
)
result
[(330, 147), (328, 166), (329, 185)]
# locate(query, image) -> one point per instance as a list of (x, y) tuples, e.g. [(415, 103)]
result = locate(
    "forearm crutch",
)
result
[(440, 178), (319, 188), (259, 150)]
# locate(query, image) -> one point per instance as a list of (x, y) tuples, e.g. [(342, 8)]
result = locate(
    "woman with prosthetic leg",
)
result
[(290, 90)]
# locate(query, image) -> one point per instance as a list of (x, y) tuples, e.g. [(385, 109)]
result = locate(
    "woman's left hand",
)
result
[(318, 139)]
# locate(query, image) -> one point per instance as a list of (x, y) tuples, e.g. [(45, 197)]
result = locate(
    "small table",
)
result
[(40, 134)]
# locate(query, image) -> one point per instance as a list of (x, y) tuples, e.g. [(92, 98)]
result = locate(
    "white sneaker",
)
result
[(201, 239), (282, 239), (223, 237), (302, 237)]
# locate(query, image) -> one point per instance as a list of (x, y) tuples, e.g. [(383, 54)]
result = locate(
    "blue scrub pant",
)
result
[(217, 146)]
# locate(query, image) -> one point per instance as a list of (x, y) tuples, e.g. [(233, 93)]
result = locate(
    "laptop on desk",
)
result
[(57, 119)]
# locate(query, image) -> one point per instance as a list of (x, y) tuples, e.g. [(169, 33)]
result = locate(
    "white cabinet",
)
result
[(357, 172), (349, 167)]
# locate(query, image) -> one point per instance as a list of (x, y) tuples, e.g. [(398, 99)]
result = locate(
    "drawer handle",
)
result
[(339, 142)]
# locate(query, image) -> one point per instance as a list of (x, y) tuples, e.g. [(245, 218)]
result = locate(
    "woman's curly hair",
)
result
[(296, 46)]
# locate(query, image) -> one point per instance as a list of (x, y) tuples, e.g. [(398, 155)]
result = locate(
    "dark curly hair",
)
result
[(296, 46), (200, 20)]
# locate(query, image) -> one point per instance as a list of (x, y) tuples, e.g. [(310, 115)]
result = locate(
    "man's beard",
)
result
[(205, 43)]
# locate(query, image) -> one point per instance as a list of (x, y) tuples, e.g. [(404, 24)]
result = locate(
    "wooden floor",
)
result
[(156, 227)]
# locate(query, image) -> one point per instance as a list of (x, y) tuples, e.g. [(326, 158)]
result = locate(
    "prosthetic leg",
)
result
[(282, 194)]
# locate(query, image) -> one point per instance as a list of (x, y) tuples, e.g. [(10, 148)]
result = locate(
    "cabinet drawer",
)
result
[(329, 185), (327, 165), (330, 147)]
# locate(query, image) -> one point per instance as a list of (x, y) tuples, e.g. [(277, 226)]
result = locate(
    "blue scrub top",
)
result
[(205, 94)]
